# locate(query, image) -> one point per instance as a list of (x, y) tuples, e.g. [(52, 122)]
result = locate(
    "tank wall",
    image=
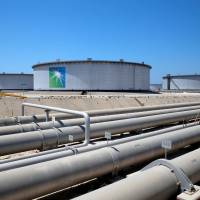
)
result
[(16, 82), (142, 78), (183, 83), (41, 78), (100, 77), (94, 76)]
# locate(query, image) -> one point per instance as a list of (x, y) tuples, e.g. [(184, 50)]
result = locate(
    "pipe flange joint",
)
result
[(185, 183)]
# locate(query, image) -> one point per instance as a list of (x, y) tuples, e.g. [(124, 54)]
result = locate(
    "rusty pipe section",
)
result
[(51, 138), (36, 180), (42, 118), (77, 122), (156, 183)]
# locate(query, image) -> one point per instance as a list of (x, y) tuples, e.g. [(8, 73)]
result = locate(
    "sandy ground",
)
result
[(11, 106)]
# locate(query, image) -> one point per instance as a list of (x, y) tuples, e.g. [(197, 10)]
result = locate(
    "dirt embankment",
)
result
[(11, 106)]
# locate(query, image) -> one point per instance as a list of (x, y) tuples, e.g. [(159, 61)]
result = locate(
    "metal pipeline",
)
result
[(113, 142), (51, 138), (43, 178), (77, 122), (66, 151), (72, 122), (62, 110), (42, 118), (156, 183)]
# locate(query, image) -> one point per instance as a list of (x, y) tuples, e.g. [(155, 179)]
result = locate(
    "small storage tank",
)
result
[(181, 82), (92, 75), (16, 81)]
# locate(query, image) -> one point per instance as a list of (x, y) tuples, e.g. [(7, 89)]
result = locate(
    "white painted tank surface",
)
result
[(92, 75)]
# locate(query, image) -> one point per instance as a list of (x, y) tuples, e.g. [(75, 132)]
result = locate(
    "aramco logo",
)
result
[(57, 77)]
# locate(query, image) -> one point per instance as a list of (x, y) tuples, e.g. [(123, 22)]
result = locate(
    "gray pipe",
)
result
[(65, 151), (51, 138), (113, 142), (62, 110), (42, 118), (43, 178), (77, 122), (155, 183)]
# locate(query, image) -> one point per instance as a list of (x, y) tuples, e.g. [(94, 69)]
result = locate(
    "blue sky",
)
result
[(162, 33)]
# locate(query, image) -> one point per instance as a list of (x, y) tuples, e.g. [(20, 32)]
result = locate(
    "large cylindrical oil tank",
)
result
[(181, 82), (14, 81), (92, 75)]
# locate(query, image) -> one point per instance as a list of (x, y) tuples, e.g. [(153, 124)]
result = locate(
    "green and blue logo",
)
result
[(57, 77)]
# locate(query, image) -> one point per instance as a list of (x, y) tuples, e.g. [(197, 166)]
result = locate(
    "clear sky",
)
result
[(162, 33)]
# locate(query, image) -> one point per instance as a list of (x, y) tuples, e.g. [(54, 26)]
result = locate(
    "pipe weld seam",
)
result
[(115, 158), (58, 133), (44, 145)]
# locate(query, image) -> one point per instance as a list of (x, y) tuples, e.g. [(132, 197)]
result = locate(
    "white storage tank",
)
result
[(92, 75), (181, 82), (16, 81)]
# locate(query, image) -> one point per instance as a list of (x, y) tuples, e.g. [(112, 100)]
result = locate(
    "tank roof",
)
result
[(90, 61), (10, 74), (184, 75)]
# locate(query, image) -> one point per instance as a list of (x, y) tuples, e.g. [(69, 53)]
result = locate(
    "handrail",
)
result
[(63, 110)]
